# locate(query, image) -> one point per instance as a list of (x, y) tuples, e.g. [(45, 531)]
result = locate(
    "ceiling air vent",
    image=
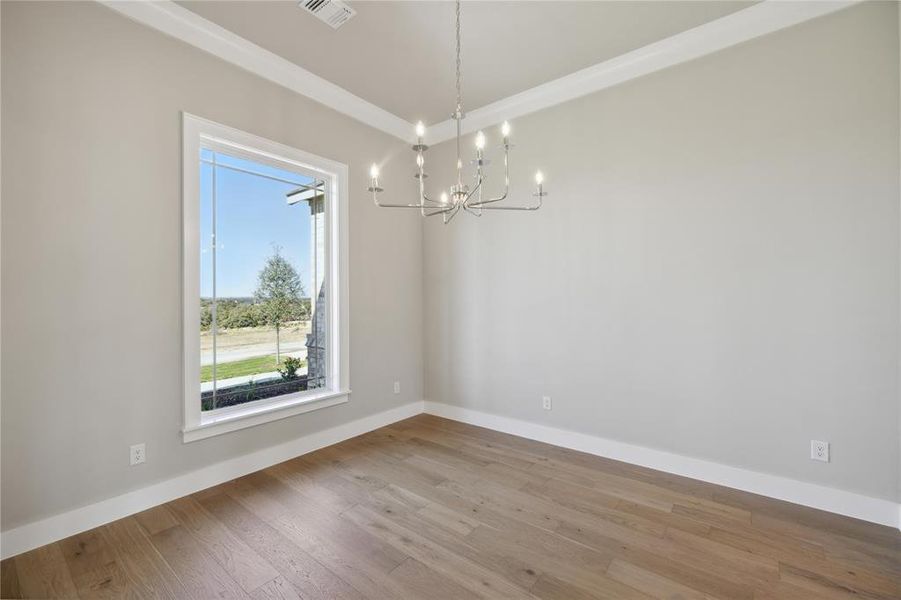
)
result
[(332, 12)]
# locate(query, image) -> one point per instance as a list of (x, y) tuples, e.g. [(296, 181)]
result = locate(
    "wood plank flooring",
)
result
[(431, 508)]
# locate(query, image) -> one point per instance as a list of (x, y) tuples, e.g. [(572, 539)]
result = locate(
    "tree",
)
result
[(278, 290), (206, 315)]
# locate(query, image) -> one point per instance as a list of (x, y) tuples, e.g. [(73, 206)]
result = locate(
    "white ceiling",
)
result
[(399, 55)]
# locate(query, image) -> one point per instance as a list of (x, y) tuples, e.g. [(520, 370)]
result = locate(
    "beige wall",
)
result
[(716, 272), (91, 254)]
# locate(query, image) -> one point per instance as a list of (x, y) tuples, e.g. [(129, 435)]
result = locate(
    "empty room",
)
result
[(449, 300)]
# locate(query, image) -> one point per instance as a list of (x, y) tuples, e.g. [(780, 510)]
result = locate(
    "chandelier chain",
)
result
[(459, 66)]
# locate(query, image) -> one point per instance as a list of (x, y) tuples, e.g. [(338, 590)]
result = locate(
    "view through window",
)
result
[(263, 308)]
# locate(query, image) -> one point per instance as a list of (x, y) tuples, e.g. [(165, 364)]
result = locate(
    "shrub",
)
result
[(206, 317), (234, 314), (240, 315), (289, 368)]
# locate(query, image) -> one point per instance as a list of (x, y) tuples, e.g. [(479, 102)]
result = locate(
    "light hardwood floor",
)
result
[(431, 508)]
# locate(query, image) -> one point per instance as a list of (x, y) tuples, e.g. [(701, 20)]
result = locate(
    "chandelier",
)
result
[(459, 195)]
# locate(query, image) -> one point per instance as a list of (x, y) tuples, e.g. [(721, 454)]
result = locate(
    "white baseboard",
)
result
[(36, 534), (876, 510)]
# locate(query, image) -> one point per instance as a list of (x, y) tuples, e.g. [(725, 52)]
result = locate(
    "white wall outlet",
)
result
[(546, 402), (396, 387), (819, 450), (138, 454)]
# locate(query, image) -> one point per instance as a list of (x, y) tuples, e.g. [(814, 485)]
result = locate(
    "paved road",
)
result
[(297, 349)]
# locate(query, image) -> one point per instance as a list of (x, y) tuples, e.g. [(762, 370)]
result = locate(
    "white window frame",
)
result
[(200, 133)]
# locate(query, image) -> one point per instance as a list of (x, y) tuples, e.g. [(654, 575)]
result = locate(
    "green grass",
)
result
[(239, 368)]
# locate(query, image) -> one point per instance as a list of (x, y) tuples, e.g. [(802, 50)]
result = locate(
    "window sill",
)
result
[(241, 417)]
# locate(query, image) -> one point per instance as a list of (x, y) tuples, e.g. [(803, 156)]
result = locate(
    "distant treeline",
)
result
[(232, 313)]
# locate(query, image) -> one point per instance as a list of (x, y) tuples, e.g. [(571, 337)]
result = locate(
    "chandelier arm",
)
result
[(453, 213), (511, 207), (423, 198), (433, 205), (438, 212), (434, 211), (477, 188), (416, 206), (375, 199), (536, 207), (470, 208), (481, 203), (473, 211)]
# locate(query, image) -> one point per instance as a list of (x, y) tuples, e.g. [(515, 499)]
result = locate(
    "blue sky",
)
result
[(252, 218)]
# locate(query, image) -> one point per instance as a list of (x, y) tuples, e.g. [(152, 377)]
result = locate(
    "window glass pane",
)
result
[(262, 169), (257, 282), (207, 306)]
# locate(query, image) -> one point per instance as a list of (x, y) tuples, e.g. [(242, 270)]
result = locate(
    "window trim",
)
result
[(196, 133)]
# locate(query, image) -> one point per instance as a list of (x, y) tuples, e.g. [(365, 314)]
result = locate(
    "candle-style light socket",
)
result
[(374, 179)]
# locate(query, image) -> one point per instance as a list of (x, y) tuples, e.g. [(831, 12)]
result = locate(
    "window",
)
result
[(265, 289)]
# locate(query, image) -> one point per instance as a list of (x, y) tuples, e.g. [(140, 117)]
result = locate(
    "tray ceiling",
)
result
[(399, 55)]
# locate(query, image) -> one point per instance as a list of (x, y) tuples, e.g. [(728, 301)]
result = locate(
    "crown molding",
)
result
[(747, 24), (182, 24), (755, 21)]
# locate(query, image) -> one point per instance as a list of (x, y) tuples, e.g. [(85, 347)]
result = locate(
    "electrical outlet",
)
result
[(396, 387), (546, 402), (138, 454), (819, 450)]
